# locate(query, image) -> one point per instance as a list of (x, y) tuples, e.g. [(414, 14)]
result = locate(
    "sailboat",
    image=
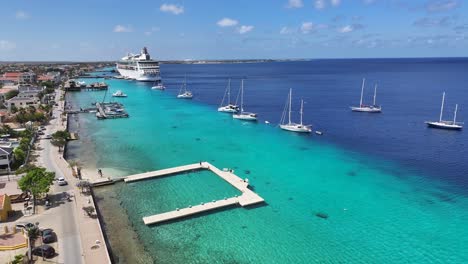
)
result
[(158, 85), (290, 126), (229, 108), (244, 115), (454, 125), (367, 108), (183, 93)]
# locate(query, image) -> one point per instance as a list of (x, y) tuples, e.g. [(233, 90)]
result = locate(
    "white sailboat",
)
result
[(244, 115), (453, 125), (183, 93), (290, 126), (158, 85), (119, 93), (229, 108), (367, 108)]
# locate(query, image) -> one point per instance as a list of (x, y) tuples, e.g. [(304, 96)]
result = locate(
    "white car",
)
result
[(61, 181)]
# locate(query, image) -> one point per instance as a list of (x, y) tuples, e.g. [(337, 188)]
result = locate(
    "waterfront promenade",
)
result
[(92, 246)]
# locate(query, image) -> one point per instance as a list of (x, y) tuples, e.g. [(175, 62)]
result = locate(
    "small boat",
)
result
[(244, 115), (119, 93), (367, 108), (319, 133), (158, 86), (183, 93), (451, 125), (229, 108), (118, 77), (290, 126)]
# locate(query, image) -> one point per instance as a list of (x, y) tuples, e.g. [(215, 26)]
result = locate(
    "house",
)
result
[(28, 96), (18, 77), (6, 158), (4, 90), (5, 207), (22, 102)]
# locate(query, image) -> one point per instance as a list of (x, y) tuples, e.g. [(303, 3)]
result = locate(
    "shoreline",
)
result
[(90, 231), (89, 172)]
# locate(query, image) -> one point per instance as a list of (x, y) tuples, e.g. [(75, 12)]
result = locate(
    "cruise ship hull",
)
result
[(139, 75)]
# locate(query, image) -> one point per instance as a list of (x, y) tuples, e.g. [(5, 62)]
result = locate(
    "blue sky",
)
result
[(241, 29)]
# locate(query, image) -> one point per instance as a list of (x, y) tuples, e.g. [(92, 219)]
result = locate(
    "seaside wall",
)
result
[(65, 167)]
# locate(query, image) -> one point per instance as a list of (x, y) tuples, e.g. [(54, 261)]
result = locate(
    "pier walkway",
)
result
[(248, 197)]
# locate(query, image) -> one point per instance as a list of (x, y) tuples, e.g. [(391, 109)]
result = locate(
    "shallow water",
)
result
[(380, 210)]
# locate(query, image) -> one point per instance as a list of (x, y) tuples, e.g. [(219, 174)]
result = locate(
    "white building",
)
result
[(6, 159)]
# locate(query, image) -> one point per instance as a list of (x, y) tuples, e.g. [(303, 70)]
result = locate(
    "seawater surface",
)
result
[(385, 182)]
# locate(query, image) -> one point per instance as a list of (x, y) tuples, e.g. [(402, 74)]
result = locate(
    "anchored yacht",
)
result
[(291, 126), (444, 124), (139, 67)]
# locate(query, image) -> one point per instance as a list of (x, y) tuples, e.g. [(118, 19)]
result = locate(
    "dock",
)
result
[(248, 197), (110, 110)]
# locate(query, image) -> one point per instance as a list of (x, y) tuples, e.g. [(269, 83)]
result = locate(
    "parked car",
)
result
[(44, 251), (47, 136), (48, 236), (25, 225), (61, 181)]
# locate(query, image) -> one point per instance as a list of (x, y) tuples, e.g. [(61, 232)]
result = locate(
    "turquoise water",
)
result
[(378, 211)]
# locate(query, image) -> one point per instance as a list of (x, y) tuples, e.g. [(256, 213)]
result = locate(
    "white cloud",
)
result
[(335, 2), (307, 27), (151, 31), (319, 4), (295, 4), (21, 15), (7, 45), (285, 30), (120, 29), (442, 5), (174, 9), (227, 22), (350, 28), (245, 29)]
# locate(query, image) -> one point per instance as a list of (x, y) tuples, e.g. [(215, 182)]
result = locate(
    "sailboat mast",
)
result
[(362, 91), (302, 106), (375, 93), (455, 115), (229, 91), (290, 96), (442, 107), (242, 96)]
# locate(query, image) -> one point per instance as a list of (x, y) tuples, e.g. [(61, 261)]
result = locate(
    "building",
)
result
[(22, 101), (6, 158), (5, 207), (27, 77), (18, 78), (4, 90)]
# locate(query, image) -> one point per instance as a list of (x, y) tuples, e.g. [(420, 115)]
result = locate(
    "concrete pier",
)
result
[(248, 197)]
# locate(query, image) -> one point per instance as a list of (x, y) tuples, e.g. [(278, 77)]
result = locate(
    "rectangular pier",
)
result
[(247, 198)]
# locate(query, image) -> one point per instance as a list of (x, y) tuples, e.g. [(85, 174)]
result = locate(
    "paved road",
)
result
[(62, 215)]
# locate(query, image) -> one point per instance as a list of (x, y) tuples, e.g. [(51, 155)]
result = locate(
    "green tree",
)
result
[(59, 138), (11, 94), (19, 156), (37, 181)]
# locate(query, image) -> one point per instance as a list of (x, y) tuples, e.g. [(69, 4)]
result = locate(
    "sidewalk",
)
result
[(92, 239)]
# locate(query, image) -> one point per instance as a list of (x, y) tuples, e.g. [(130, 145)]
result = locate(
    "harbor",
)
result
[(77, 86), (247, 198), (110, 110)]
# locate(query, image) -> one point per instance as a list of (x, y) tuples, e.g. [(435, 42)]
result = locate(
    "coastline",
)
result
[(127, 240), (90, 229)]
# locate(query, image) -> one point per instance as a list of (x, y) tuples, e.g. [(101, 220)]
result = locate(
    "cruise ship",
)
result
[(139, 67)]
